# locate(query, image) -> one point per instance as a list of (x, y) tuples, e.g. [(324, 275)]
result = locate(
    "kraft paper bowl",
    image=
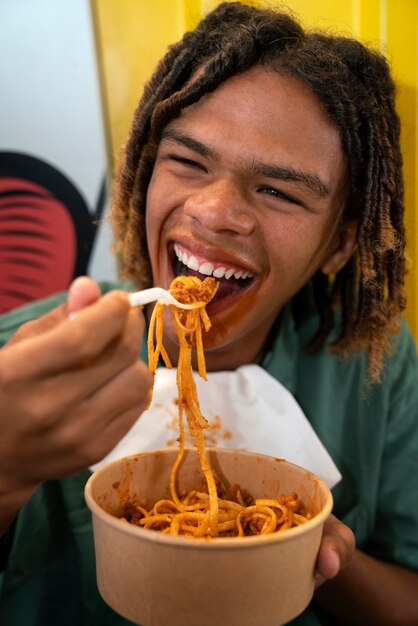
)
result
[(161, 580)]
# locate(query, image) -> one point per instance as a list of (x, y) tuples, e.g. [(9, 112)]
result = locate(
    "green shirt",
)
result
[(371, 434)]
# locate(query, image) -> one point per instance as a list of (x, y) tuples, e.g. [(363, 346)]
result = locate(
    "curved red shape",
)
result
[(38, 243)]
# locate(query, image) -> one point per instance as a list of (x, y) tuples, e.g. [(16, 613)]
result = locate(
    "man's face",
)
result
[(248, 186)]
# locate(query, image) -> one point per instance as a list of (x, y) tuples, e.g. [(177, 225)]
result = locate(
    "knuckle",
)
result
[(348, 537), (128, 348), (345, 544), (79, 344), (75, 444), (6, 376), (39, 413), (343, 531), (26, 330), (135, 389), (11, 375), (143, 378)]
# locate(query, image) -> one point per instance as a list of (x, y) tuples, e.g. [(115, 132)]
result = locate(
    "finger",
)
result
[(131, 388), (91, 451), (337, 548), (74, 342), (104, 418), (55, 394), (328, 565), (116, 429), (83, 292)]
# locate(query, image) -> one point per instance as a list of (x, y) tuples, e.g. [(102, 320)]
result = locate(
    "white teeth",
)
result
[(229, 273), (193, 263), (207, 268), (183, 257), (219, 272)]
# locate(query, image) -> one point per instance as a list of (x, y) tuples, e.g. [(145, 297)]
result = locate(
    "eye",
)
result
[(280, 195), (187, 162)]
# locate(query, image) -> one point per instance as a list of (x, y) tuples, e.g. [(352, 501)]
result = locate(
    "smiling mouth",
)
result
[(231, 279)]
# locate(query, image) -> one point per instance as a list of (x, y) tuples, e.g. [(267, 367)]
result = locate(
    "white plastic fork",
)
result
[(139, 298)]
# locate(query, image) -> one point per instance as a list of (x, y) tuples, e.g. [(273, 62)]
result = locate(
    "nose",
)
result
[(221, 205)]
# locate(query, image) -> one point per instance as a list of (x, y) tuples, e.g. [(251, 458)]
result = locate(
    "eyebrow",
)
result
[(285, 172), (269, 170), (189, 142)]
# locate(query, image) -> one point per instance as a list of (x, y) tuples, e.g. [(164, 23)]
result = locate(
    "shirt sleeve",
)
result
[(10, 322), (395, 536)]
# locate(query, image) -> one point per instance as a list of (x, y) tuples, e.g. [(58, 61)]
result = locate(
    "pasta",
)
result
[(210, 511)]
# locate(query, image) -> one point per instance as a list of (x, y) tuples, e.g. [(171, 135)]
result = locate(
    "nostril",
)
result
[(221, 206), (247, 221), (218, 217)]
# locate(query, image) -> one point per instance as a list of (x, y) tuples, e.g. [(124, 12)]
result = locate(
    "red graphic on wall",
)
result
[(46, 230)]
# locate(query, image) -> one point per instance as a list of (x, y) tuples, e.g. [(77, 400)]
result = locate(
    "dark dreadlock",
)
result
[(355, 86)]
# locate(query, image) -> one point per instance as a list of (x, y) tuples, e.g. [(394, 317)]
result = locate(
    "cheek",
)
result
[(153, 215), (295, 249), (282, 241), (161, 199)]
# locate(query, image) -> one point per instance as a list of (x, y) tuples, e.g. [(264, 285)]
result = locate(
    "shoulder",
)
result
[(326, 373), (404, 345), (400, 380)]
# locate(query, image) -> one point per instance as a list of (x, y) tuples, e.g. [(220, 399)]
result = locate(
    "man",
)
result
[(270, 159)]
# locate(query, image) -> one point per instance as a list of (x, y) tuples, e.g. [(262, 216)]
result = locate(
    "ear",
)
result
[(343, 249)]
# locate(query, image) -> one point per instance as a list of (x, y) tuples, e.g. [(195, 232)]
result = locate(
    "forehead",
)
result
[(262, 114)]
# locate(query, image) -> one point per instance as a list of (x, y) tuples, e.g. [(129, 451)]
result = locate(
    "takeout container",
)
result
[(155, 579)]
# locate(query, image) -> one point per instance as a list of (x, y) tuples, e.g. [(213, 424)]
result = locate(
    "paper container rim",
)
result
[(217, 543)]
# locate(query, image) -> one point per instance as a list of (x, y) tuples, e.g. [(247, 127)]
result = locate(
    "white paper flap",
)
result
[(246, 409)]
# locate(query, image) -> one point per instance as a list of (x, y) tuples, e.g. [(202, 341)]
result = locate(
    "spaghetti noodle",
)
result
[(212, 511)]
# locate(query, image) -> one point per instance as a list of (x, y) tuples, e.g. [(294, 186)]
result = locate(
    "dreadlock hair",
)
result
[(355, 87)]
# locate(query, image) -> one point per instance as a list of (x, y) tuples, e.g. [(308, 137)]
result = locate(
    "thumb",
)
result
[(82, 292), (337, 548)]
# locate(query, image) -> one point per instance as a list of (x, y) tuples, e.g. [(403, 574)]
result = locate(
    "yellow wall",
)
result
[(133, 34)]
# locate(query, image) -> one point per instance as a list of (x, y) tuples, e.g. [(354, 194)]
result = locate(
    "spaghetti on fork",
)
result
[(189, 324)]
